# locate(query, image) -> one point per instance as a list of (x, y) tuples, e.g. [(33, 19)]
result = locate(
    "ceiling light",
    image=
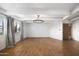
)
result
[(38, 20)]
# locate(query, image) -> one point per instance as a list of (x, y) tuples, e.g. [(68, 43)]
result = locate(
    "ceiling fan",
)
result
[(38, 20)]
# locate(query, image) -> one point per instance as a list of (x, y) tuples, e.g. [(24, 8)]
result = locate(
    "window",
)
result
[(1, 24)]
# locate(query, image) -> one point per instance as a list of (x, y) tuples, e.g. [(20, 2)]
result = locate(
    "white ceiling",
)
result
[(49, 11)]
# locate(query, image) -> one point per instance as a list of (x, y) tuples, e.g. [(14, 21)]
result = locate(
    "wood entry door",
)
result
[(66, 32)]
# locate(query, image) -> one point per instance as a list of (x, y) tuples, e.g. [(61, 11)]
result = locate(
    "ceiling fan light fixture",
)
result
[(38, 20)]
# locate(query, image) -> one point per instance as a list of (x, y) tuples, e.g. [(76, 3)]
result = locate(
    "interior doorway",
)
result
[(67, 31)]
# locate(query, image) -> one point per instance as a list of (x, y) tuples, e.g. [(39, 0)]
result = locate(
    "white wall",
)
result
[(53, 30), (75, 30), (56, 30), (17, 37), (36, 30)]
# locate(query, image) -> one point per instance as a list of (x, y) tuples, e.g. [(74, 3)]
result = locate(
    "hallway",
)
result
[(43, 47)]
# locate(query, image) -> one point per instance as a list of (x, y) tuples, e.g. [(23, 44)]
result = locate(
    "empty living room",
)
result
[(39, 29)]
